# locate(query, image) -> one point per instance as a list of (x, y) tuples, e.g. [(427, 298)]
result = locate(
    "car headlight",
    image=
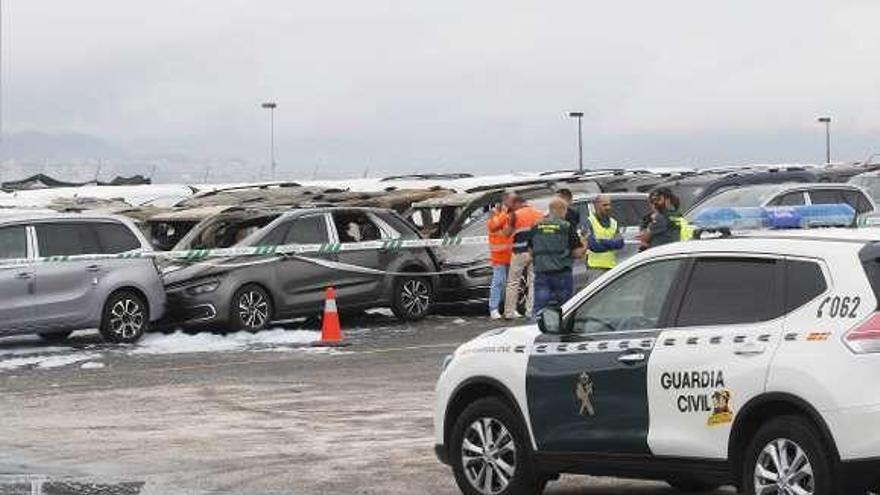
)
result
[(203, 288)]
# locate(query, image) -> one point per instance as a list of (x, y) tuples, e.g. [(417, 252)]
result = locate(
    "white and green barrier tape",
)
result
[(194, 255)]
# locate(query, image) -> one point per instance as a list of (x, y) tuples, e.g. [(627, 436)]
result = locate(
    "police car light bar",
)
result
[(774, 217)]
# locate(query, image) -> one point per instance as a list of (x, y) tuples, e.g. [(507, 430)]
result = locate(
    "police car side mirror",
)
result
[(550, 320)]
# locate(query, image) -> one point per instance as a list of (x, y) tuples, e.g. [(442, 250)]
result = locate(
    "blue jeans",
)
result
[(552, 287), (496, 290)]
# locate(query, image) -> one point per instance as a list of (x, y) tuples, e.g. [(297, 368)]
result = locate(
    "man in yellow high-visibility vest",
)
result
[(603, 239)]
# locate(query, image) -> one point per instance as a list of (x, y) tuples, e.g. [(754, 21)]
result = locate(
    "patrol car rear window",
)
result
[(725, 291), (804, 282)]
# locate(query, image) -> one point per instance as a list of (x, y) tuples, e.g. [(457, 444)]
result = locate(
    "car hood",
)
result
[(501, 338), (179, 273)]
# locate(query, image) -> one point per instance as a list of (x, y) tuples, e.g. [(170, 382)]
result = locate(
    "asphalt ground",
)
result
[(355, 420)]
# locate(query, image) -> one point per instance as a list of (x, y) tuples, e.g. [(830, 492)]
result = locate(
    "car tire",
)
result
[(509, 468), (54, 337), (125, 318), (795, 441), (251, 309), (690, 484), (413, 298)]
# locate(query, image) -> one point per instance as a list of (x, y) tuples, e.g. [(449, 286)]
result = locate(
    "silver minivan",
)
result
[(120, 297)]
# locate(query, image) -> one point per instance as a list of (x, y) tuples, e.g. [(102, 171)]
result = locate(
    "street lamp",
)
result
[(827, 122), (271, 106), (580, 117)]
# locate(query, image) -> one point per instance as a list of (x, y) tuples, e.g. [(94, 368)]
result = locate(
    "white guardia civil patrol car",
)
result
[(752, 360)]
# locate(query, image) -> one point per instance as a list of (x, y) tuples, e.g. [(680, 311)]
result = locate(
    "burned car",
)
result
[(250, 293), (469, 274), (167, 229)]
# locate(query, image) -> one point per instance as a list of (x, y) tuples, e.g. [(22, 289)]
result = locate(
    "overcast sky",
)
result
[(478, 85)]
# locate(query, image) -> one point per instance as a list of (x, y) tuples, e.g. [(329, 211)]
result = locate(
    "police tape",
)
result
[(196, 255)]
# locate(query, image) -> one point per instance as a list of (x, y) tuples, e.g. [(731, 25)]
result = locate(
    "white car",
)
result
[(752, 361)]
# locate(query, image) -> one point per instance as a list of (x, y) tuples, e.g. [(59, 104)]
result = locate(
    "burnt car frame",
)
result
[(250, 293)]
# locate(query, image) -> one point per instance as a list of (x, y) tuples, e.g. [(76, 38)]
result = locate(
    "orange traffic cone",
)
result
[(331, 330)]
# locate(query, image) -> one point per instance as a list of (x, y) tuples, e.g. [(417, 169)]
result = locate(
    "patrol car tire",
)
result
[(525, 479), (797, 432)]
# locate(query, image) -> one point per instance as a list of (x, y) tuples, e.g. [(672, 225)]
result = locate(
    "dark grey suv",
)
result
[(249, 293), (119, 296)]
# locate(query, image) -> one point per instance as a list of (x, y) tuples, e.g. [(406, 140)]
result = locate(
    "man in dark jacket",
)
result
[(666, 221)]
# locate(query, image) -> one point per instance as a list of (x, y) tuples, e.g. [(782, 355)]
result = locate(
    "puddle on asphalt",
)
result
[(27, 485)]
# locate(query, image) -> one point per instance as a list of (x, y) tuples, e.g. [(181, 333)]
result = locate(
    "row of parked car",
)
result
[(125, 297)]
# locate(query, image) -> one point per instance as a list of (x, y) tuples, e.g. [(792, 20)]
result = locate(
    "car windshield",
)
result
[(869, 183), (688, 193), (746, 196), (225, 233)]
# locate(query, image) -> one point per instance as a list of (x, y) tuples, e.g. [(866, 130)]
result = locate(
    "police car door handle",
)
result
[(632, 357), (749, 350)]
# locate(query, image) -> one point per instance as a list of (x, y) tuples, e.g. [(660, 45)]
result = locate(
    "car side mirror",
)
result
[(550, 321)]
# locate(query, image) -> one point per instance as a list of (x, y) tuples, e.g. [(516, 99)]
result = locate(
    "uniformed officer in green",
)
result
[(603, 239), (554, 245), (667, 223)]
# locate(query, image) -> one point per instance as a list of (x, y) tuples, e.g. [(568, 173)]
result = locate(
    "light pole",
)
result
[(580, 117), (827, 122), (271, 106)]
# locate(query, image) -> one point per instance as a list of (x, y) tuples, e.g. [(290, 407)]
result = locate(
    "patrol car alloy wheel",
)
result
[(788, 457), (488, 455), (783, 468), (490, 452)]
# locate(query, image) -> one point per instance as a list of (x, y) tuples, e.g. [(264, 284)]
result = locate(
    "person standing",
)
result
[(555, 245), (500, 252), (603, 239), (522, 218), (572, 216), (667, 224)]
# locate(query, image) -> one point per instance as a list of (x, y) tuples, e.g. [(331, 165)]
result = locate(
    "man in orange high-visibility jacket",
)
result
[(523, 217), (500, 252)]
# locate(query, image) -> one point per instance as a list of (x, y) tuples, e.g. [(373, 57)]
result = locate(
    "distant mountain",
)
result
[(38, 146)]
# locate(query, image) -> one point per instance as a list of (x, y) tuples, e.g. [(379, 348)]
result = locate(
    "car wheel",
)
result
[(787, 456), (490, 451), (689, 484), (251, 309), (125, 318), (54, 337), (413, 297)]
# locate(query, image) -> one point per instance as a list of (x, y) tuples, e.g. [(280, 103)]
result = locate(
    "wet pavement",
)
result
[(256, 418)]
